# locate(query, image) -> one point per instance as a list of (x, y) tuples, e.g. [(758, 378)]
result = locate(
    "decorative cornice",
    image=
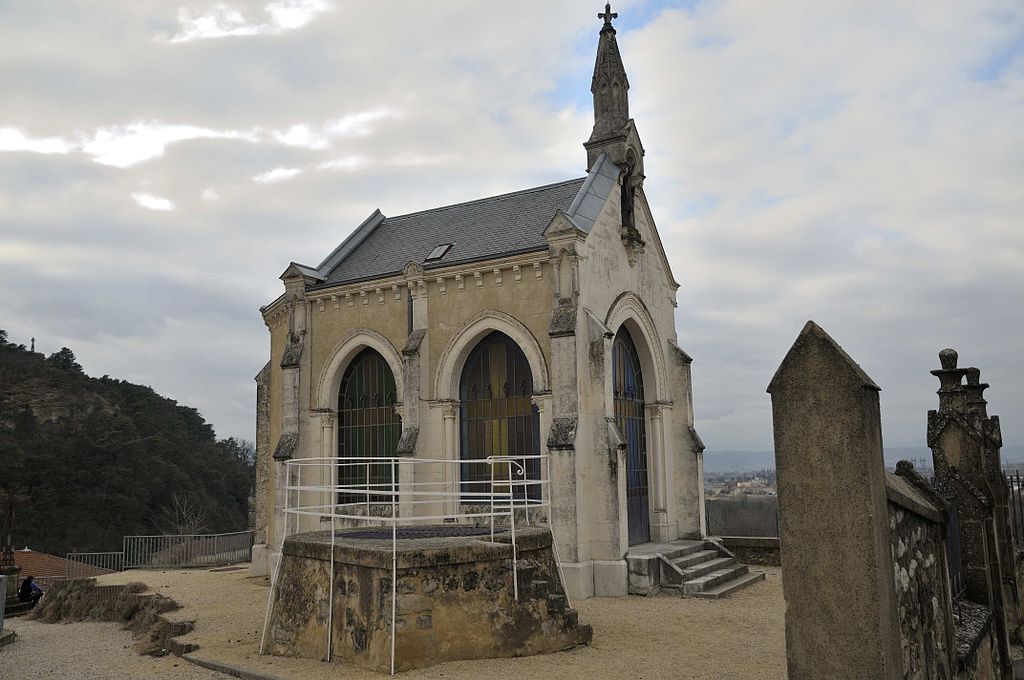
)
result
[(415, 278)]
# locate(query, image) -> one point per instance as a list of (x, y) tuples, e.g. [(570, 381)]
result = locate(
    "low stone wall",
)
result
[(454, 600), (743, 515), (754, 549), (923, 609), (977, 649)]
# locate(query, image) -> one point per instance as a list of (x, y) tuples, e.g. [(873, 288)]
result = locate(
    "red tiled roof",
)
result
[(41, 565)]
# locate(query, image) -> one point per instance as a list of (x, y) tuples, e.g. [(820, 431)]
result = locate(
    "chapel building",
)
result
[(535, 322)]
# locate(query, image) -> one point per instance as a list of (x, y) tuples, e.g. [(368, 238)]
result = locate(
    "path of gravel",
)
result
[(741, 637), (86, 651)]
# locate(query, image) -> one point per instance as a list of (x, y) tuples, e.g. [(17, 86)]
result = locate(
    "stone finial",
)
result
[(904, 467), (608, 14), (975, 390), (952, 396)]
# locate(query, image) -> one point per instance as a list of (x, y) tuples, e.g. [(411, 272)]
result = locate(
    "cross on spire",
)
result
[(608, 14)]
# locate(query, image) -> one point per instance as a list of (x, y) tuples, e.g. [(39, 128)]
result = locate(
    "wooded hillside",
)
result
[(94, 459)]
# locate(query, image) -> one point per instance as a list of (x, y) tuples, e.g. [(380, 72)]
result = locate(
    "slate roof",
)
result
[(482, 229)]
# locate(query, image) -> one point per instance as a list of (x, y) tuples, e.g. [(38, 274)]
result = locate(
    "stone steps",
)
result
[(732, 586), (704, 568), (694, 559), (559, 615), (690, 568), (714, 578)]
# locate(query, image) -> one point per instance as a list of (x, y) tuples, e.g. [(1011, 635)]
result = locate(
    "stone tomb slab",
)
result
[(455, 597)]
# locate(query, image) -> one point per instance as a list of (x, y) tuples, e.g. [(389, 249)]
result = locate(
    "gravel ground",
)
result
[(86, 651), (740, 637)]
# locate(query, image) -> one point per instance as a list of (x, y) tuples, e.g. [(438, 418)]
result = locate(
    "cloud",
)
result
[(151, 202), (804, 160), (352, 125), (12, 139), (124, 146), (222, 20), (276, 175), (347, 163)]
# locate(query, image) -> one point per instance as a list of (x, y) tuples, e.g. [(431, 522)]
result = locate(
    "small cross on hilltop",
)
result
[(608, 14)]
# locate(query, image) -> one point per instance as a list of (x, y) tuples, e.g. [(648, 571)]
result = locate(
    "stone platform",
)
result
[(455, 597)]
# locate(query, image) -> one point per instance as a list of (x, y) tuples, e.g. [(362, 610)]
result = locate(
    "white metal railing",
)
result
[(79, 565), (186, 550), (419, 491)]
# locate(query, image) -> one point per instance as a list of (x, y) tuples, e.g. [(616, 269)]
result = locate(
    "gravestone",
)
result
[(833, 518)]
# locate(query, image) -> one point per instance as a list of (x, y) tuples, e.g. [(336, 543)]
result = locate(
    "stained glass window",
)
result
[(628, 396), (368, 426), (498, 417)]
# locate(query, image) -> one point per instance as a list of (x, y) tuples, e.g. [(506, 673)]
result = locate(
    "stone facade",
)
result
[(600, 268)]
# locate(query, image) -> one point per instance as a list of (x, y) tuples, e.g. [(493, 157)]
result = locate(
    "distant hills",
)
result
[(752, 461), (94, 459)]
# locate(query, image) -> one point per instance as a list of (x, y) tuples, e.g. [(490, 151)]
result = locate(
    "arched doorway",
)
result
[(497, 415), (368, 426), (628, 395)]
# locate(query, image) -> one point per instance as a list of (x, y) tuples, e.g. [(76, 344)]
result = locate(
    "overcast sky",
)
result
[(856, 163)]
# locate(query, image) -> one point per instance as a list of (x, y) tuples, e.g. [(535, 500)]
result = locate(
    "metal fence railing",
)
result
[(80, 565), (187, 550)]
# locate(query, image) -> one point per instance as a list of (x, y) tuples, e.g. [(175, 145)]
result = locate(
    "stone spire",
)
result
[(609, 86), (614, 132)]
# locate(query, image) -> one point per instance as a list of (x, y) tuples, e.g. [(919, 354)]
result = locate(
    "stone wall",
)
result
[(753, 549), (923, 608), (977, 644), (743, 515), (455, 600)]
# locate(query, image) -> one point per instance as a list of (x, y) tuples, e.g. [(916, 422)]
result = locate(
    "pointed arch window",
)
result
[(368, 426), (628, 398), (497, 416)]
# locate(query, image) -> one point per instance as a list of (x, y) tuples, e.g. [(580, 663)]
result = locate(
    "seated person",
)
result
[(30, 591)]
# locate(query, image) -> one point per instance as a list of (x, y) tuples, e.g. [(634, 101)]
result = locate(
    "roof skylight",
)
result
[(438, 252)]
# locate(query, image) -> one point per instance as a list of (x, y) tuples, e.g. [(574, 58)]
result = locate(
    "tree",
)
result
[(183, 516), (242, 450), (8, 346), (65, 361)]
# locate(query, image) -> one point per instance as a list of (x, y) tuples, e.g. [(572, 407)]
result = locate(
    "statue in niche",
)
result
[(627, 198)]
